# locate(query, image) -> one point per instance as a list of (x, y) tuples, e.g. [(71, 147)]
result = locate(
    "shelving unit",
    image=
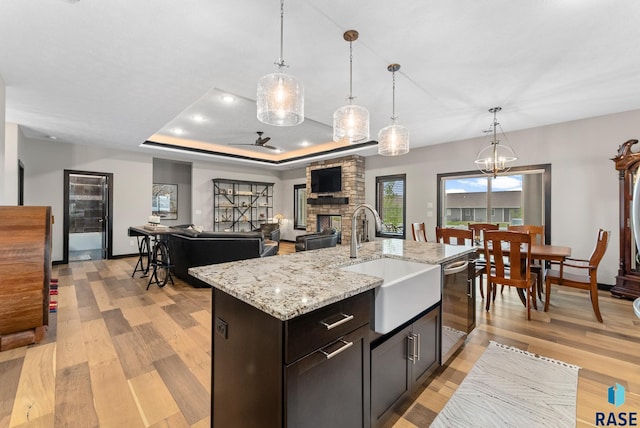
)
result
[(241, 206)]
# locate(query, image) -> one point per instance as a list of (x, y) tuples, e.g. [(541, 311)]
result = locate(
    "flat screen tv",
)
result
[(326, 180)]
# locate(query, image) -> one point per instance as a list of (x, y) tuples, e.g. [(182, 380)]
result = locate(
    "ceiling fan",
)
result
[(260, 142)]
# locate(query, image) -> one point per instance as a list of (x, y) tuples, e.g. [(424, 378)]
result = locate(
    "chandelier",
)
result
[(393, 140), (495, 157), (351, 122), (280, 99)]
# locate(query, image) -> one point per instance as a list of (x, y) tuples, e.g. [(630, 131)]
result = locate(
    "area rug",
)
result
[(79, 258), (508, 387)]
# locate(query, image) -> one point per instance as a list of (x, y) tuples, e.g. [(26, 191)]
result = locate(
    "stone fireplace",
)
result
[(331, 220), (340, 204)]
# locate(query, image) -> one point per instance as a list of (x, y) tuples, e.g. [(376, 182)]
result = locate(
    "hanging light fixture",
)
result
[(280, 97), (351, 122), (393, 140), (495, 157)]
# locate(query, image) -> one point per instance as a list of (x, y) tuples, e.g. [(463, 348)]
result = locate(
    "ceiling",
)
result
[(121, 73)]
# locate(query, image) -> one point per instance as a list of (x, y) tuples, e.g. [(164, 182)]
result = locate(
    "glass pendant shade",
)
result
[(280, 97), (495, 157), (351, 124), (393, 140), (280, 100)]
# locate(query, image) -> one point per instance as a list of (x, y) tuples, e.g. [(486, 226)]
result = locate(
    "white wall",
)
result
[(2, 138), (45, 162), (11, 141), (584, 181), (584, 189)]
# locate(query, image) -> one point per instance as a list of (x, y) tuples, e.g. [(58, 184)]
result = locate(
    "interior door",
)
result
[(87, 220)]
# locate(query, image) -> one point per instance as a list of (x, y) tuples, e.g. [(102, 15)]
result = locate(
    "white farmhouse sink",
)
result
[(408, 289)]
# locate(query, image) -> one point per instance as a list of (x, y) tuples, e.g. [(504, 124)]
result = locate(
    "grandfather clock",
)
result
[(628, 278)]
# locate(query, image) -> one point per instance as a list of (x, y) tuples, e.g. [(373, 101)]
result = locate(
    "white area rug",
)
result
[(508, 387)]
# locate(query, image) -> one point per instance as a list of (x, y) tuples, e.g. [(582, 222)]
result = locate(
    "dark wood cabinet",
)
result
[(329, 388), (311, 371), (25, 273), (627, 163), (401, 362)]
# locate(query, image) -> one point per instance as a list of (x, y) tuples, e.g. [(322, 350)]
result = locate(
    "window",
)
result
[(300, 206), (391, 205), (521, 196)]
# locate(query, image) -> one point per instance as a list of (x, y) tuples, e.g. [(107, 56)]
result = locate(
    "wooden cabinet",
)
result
[(311, 371), (401, 362), (25, 273), (329, 387), (241, 206), (627, 163)]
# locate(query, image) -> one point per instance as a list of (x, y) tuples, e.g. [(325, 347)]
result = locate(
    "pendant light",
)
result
[(351, 122), (393, 140), (495, 157), (280, 97)]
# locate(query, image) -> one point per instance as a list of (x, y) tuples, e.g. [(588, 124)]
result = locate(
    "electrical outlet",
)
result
[(221, 327)]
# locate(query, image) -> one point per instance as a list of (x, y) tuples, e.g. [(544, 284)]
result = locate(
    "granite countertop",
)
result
[(291, 285)]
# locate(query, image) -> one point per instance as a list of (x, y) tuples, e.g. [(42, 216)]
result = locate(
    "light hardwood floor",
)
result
[(117, 355)]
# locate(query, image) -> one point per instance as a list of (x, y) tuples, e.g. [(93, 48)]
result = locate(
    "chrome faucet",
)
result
[(354, 237)]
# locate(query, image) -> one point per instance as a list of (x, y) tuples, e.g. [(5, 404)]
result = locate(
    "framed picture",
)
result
[(164, 201)]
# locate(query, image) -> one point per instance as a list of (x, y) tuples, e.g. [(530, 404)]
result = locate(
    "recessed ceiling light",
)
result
[(177, 131), (198, 118), (228, 98), (305, 143), (52, 137)]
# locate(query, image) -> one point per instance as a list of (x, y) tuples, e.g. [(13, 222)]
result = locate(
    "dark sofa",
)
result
[(190, 248), (313, 241)]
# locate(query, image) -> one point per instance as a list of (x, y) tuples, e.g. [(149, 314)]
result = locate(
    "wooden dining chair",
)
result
[(419, 232), (583, 274), (479, 228), (455, 236), (511, 266), (537, 238)]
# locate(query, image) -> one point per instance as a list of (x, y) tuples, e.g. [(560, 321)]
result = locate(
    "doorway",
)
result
[(87, 215)]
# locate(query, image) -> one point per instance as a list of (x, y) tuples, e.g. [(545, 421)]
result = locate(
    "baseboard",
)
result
[(605, 287), (124, 256)]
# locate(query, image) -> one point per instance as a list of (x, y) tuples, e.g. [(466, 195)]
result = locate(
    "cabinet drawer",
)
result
[(311, 331)]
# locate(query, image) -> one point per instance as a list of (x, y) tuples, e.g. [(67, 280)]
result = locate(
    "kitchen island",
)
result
[(292, 337)]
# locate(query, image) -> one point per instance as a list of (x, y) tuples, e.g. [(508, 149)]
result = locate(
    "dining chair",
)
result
[(479, 228), (511, 266), (537, 238), (419, 232), (583, 274), (455, 236)]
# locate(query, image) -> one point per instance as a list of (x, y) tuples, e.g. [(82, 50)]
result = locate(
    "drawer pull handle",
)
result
[(346, 346), (339, 322)]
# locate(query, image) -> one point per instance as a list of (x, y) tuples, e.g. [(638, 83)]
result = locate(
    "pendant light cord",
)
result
[(350, 72), (280, 62), (393, 98)]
